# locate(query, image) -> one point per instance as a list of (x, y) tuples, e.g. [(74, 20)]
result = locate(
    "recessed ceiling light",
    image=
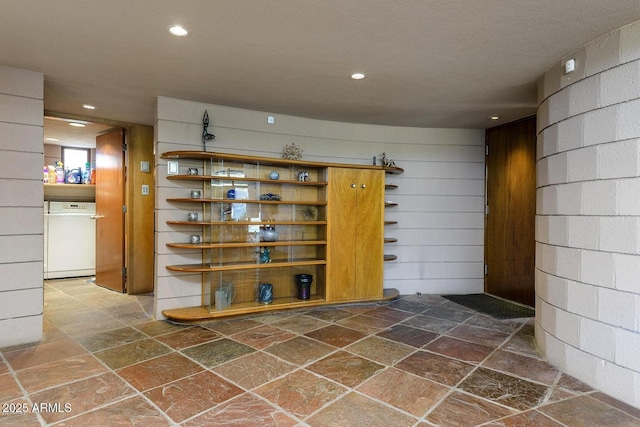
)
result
[(77, 125), (357, 76), (177, 30), (494, 117), (88, 107)]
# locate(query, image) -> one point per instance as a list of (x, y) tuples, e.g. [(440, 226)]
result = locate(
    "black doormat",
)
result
[(492, 306)]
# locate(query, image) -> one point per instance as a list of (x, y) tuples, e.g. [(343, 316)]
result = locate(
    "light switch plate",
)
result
[(144, 166), (172, 168), (145, 190)]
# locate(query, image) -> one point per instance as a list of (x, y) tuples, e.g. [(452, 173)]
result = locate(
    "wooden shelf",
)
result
[(394, 170), (232, 223), (272, 161), (390, 186), (246, 244), (390, 240), (263, 202), (204, 268), (244, 179), (388, 205), (390, 257), (390, 222), (194, 314)]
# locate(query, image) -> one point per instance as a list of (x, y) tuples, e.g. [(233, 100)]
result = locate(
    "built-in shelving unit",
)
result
[(226, 207)]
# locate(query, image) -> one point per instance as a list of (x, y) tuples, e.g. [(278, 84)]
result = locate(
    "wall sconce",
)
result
[(206, 136)]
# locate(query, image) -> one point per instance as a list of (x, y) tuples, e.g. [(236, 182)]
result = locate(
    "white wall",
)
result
[(21, 213), (588, 215), (441, 194)]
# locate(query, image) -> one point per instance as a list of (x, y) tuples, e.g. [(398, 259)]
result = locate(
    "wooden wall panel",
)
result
[(140, 211)]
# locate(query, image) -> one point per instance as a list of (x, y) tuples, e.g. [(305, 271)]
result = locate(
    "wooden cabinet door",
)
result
[(341, 225), (369, 239), (355, 223)]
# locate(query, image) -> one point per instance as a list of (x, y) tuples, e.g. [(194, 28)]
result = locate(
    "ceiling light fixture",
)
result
[(357, 76), (77, 125), (88, 107), (179, 31), (494, 117), (52, 139)]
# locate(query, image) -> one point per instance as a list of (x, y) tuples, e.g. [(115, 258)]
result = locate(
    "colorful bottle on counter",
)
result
[(86, 174), (45, 178), (74, 176), (52, 174)]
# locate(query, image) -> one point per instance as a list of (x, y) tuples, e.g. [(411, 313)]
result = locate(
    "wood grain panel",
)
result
[(355, 241), (342, 223), (140, 215), (510, 224), (109, 201), (369, 239)]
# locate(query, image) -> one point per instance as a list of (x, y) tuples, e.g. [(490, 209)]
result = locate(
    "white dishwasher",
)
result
[(71, 240)]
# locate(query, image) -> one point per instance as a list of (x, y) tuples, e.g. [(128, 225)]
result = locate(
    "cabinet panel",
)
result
[(355, 222), (369, 239)]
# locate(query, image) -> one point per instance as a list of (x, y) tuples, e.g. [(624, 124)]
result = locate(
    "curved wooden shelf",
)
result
[(194, 314), (244, 179), (232, 223), (274, 161), (246, 244), (390, 257), (394, 170), (388, 205), (263, 202), (204, 268), (390, 186), (390, 240), (390, 222)]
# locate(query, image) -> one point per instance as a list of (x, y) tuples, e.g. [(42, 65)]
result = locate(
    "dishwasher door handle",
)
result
[(96, 216)]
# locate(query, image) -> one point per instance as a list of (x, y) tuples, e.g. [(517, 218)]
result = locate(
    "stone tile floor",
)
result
[(418, 361)]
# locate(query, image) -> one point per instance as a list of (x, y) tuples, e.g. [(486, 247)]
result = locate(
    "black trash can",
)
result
[(303, 282)]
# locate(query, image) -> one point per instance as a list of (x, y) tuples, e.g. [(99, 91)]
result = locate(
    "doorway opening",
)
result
[(128, 259)]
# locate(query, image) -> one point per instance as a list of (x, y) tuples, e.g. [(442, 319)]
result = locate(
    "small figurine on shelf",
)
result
[(265, 255), (303, 176), (292, 152), (268, 233), (387, 163), (310, 213)]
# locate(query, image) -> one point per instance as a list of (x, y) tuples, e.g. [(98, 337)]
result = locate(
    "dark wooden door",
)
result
[(510, 218), (110, 197)]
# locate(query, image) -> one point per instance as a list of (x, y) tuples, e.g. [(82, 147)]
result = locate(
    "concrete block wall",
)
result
[(21, 206), (588, 215), (440, 195)]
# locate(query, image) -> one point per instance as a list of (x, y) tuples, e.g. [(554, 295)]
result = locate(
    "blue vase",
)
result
[(265, 293)]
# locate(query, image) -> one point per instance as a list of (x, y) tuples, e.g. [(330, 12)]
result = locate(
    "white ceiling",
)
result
[(429, 63), (57, 131)]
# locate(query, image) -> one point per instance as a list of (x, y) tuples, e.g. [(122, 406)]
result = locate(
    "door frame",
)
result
[(138, 252)]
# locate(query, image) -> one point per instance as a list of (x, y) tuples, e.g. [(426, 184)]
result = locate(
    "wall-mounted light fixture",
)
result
[(206, 136)]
